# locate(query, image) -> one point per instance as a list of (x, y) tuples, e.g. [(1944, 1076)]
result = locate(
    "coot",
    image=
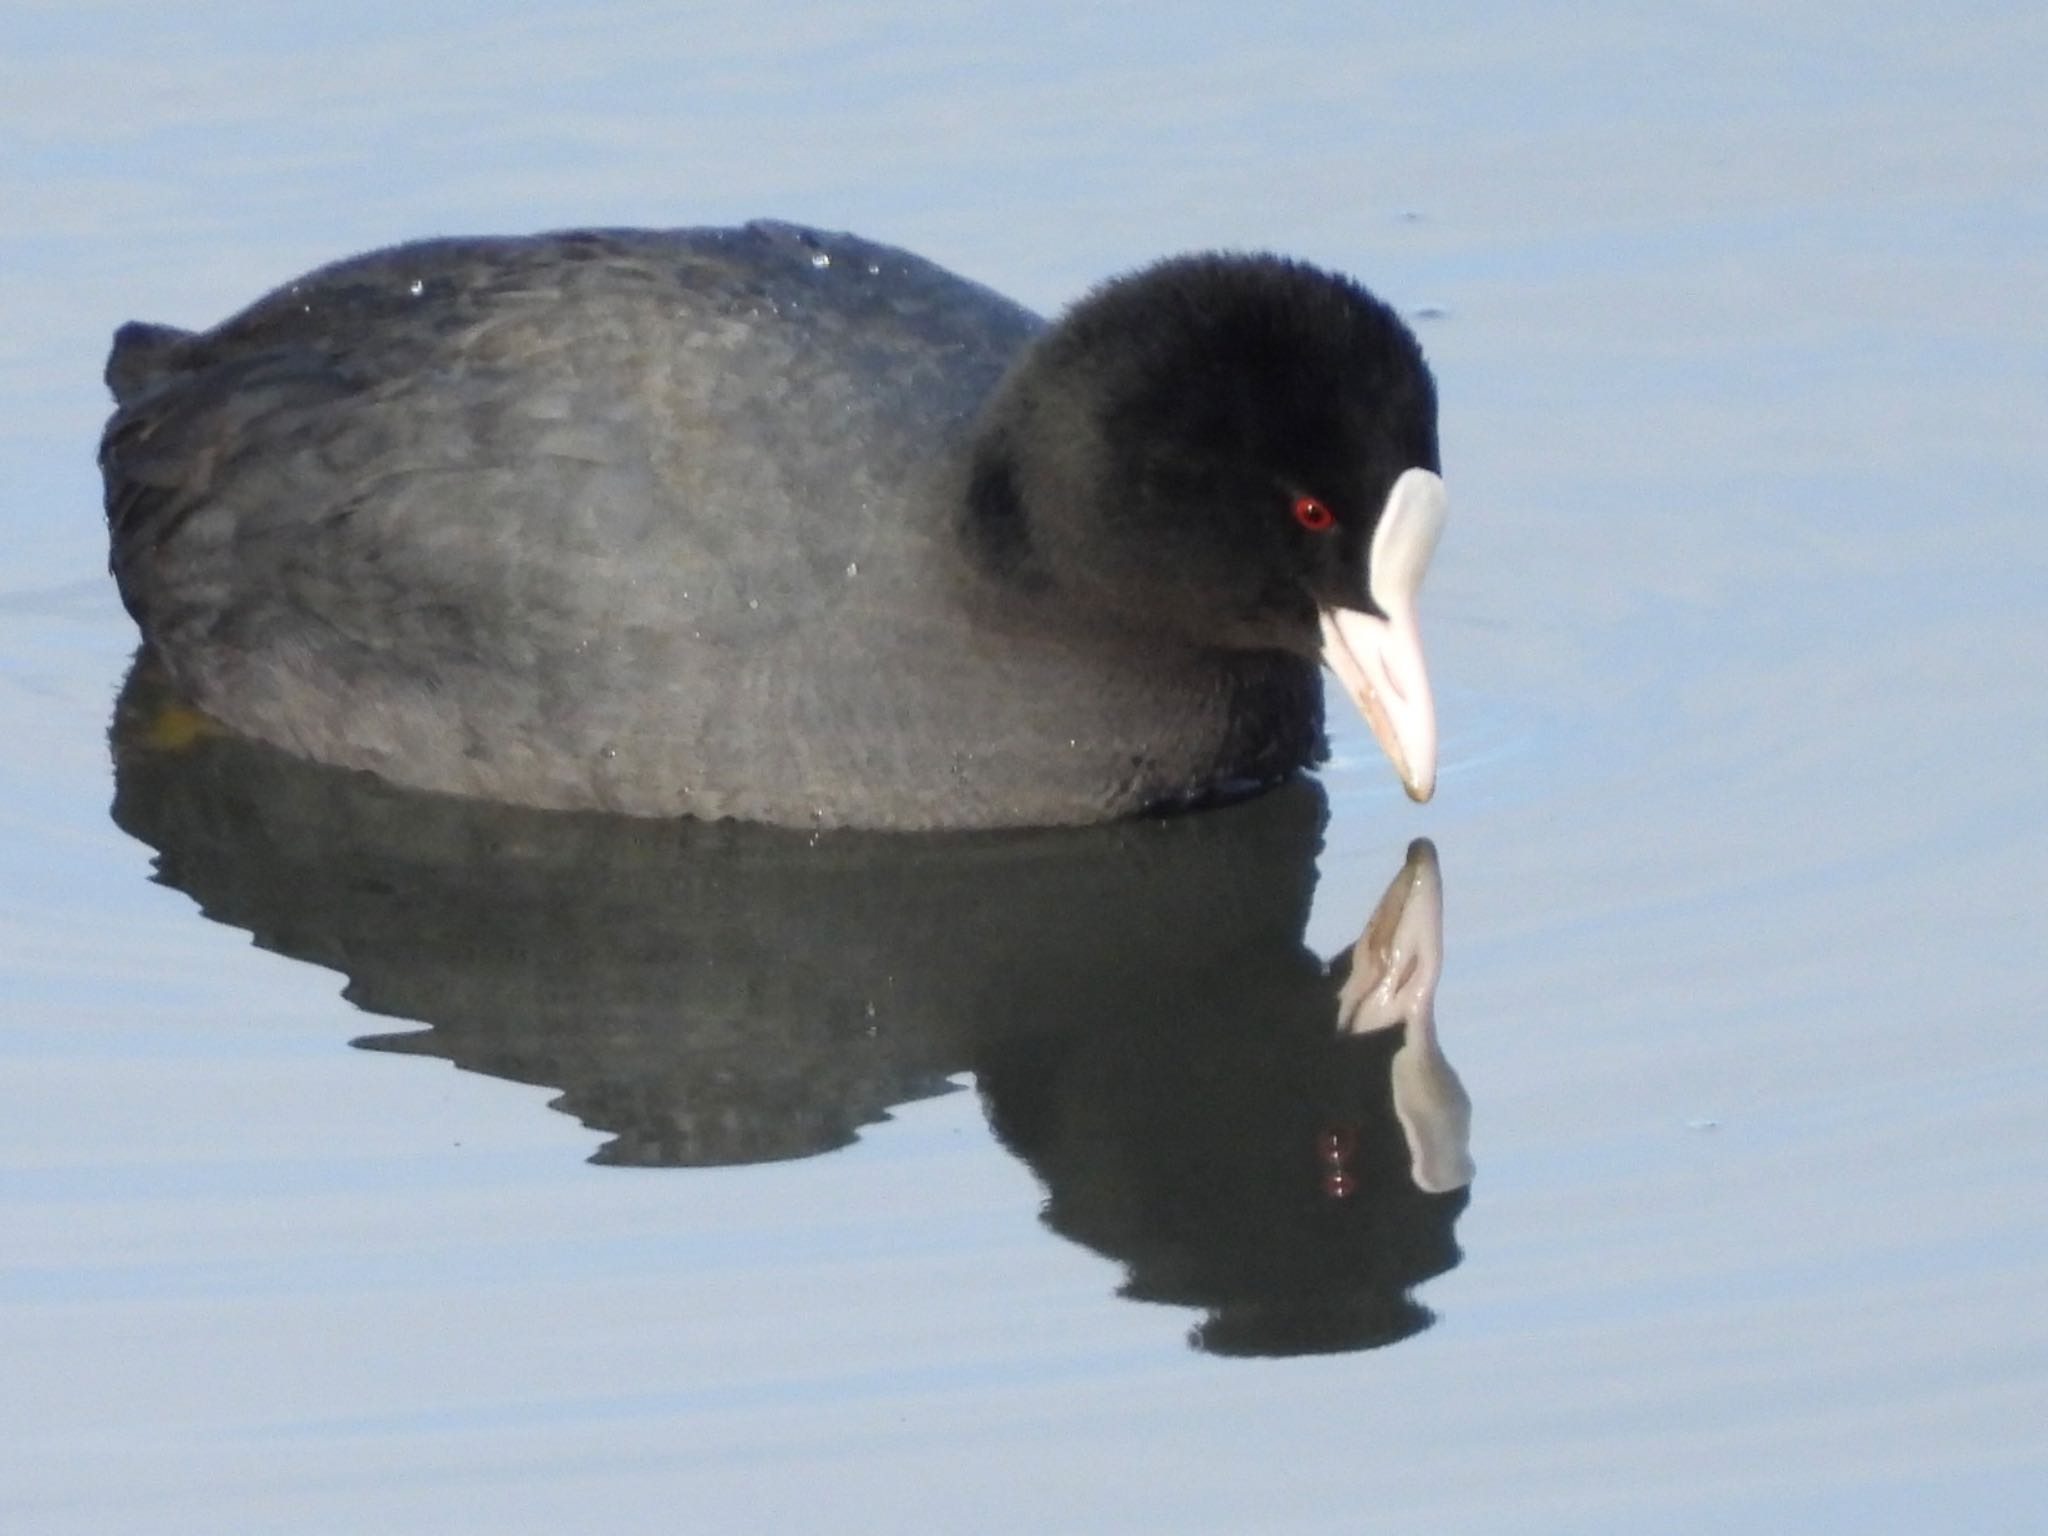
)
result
[(784, 525)]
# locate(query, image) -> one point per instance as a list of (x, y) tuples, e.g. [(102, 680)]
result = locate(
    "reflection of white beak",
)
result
[(1379, 660), (1394, 971)]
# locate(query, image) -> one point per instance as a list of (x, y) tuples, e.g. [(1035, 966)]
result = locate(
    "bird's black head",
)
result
[(1220, 449)]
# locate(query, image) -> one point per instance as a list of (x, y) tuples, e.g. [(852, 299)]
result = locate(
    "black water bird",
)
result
[(783, 525)]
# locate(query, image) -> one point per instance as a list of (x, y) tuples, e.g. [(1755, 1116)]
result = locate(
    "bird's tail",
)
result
[(142, 353)]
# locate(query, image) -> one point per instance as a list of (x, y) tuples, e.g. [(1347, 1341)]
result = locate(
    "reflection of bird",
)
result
[(784, 525), (1238, 1151), (1135, 1001)]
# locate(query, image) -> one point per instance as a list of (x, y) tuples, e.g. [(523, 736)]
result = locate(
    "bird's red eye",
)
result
[(1312, 514)]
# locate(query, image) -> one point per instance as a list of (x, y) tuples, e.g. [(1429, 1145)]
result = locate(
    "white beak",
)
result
[(1379, 660)]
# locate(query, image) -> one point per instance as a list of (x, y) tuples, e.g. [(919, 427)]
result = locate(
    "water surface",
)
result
[(1735, 626)]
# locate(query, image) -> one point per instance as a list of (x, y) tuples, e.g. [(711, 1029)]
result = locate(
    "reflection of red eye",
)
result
[(1335, 1148), (1312, 514)]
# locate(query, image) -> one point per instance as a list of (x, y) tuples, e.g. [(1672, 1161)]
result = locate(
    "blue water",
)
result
[(1736, 628)]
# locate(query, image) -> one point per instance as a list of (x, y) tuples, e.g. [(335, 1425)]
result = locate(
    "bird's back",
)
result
[(612, 518)]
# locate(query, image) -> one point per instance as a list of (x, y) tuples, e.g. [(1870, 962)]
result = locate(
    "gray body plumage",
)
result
[(655, 522)]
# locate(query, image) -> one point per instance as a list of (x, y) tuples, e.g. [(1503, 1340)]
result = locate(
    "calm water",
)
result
[(987, 1187)]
